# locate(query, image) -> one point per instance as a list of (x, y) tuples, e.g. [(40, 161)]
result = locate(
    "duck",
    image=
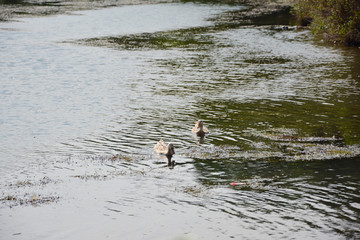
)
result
[(200, 129), (162, 148)]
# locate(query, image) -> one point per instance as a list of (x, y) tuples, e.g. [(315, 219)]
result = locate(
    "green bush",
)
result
[(335, 20)]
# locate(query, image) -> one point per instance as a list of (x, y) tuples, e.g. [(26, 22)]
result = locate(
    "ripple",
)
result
[(282, 114)]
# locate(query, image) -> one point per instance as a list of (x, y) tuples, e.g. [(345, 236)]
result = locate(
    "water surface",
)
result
[(85, 97)]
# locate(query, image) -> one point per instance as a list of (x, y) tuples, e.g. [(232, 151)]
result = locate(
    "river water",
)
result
[(86, 96)]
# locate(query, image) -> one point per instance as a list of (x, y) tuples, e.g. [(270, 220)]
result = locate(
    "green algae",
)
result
[(183, 38)]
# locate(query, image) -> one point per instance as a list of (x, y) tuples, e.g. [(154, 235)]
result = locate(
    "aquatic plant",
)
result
[(196, 190), (183, 38), (256, 183), (28, 199)]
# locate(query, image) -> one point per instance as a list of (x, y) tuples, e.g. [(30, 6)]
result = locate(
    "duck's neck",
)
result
[(201, 129), (170, 152)]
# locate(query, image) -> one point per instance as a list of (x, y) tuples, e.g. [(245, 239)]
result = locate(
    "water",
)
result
[(85, 97)]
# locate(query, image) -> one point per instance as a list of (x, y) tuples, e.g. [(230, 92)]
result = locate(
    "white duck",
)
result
[(200, 129), (161, 148)]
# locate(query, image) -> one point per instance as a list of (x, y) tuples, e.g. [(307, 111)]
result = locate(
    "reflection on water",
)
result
[(82, 106)]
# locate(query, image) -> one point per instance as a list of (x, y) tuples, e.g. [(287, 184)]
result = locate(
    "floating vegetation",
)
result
[(284, 28), (120, 157), (212, 151), (195, 190), (267, 60), (114, 161), (296, 147), (300, 151), (183, 38), (256, 183), (22, 192), (277, 144), (290, 135), (27, 183), (22, 183), (92, 177), (110, 175), (28, 199)]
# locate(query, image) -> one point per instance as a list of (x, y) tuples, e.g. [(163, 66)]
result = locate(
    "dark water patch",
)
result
[(259, 14), (11, 2), (281, 173), (33, 3), (266, 60), (284, 120), (281, 16)]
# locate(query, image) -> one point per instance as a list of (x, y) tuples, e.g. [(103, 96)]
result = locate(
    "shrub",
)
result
[(336, 20)]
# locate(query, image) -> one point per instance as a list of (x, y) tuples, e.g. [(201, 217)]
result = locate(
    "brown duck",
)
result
[(200, 129), (162, 148)]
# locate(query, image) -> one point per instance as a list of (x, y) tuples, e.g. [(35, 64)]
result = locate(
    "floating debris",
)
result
[(91, 177), (194, 190), (267, 60), (212, 151), (287, 144), (284, 28), (118, 157), (289, 135), (110, 174), (28, 183), (300, 151), (237, 184), (256, 183), (28, 199)]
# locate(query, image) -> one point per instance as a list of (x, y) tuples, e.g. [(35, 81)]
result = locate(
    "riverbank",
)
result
[(336, 22)]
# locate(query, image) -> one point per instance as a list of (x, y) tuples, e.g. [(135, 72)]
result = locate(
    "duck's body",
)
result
[(162, 148), (200, 129)]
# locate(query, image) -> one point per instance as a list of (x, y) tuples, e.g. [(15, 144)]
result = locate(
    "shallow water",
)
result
[(85, 97)]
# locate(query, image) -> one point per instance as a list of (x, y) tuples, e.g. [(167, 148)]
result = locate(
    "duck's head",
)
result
[(200, 123), (171, 150)]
